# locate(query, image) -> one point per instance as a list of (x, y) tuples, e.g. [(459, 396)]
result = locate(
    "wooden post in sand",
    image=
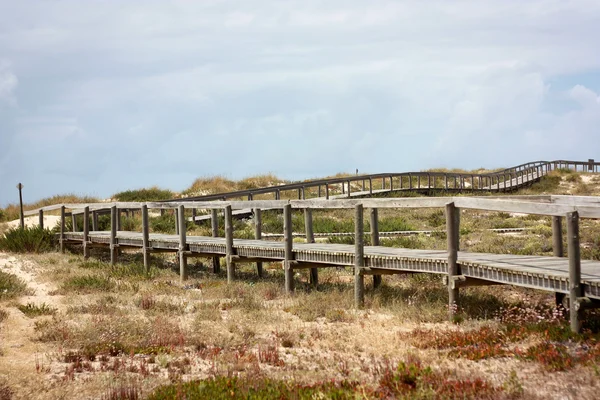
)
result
[(258, 236), (214, 222)]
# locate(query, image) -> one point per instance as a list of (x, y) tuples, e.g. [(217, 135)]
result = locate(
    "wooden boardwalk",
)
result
[(544, 273), (579, 279)]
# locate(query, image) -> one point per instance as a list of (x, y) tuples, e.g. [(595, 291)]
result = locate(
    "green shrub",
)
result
[(11, 286), (166, 223), (88, 284), (150, 194), (261, 388), (34, 310), (27, 240)]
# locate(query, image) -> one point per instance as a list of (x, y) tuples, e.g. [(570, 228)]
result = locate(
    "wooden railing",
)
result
[(505, 180)]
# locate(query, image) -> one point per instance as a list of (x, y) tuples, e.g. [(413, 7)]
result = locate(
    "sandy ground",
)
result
[(22, 355), (50, 221)]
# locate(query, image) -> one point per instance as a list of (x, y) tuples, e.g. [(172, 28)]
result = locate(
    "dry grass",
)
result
[(12, 211)]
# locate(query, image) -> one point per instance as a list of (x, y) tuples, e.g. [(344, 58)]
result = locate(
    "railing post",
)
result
[(182, 243), (229, 244), (558, 250), (86, 232), (73, 221), (359, 257), (94, 221), (349, 189), (429, 181), (557, 239), (410, 184), (258, 236), (62, 229), (370, 185), (391, 184), (452, 233), (310, 238), (575, 288), (145, 238), (214, 222), (194, 213), (343, 188), (289, 252), (41, 219), (303, 193), (375, 241), (176, 214), (383, 182), (113, 235), (278, 195), (327, 191), (119, 220)]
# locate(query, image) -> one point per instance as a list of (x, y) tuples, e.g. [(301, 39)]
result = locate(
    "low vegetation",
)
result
[(27, 240), (147, 194), (11, 286)]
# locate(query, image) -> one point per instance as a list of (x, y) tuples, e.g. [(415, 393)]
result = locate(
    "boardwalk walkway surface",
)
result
[(545, 273), (579, 279)]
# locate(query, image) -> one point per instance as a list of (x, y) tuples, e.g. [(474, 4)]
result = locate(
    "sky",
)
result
[(102, 96)]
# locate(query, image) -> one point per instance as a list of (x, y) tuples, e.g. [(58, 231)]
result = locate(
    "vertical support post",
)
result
[(557, 247), (74, 221), (375, 241), (214, 222), (349, 189), (62, 229), (327, 191), (277, 194), (557, 239), (94, 220), (21, 216), (391, 183), (575, 288), (41, 219), (310, 238), (428, 181), (303, 193), (113, 234), (194, 213), (319, 191), (452, 232), (145, 238), (86, 232), (182, 244), (343, 188), (370, 185), (359, 257), (229, 244), (288, 246), (383, 182), (258, 236), (119, 220), (176, 213)]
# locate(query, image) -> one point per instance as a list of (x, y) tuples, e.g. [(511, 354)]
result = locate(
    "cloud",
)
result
[(8, 84), (163, 92)]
